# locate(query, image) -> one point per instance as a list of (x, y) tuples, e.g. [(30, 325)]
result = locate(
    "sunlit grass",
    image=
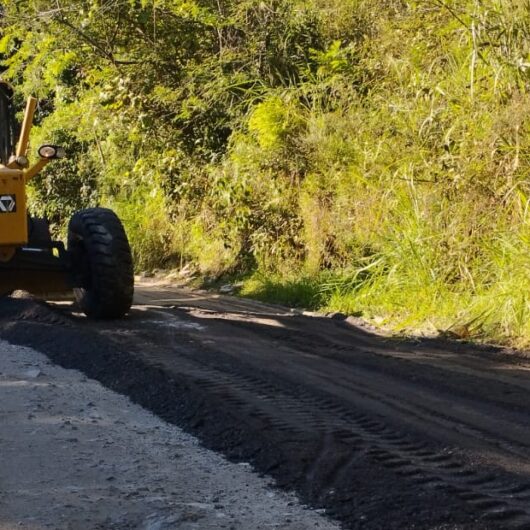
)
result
[(374, 161)]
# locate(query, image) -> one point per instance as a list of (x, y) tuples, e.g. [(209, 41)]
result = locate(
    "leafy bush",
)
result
[(373, 153)]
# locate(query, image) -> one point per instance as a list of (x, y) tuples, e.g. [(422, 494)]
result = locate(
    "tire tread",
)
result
[(107, 248)]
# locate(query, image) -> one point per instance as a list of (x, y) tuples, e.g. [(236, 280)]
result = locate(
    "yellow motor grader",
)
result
[(96, 264)]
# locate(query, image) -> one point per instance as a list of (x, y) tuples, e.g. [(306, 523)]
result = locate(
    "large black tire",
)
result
[(101, 262)]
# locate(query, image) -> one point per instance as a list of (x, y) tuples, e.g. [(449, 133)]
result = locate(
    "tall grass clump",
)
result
[(415, 191)]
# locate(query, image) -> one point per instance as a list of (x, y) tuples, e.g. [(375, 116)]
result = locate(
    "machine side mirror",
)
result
[(51, 152)]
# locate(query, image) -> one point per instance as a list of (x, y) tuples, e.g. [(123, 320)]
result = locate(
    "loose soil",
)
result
[(379, 432)]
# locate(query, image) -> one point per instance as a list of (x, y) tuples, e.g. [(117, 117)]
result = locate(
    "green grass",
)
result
[(302, 293), (346, 155), (404, 200)]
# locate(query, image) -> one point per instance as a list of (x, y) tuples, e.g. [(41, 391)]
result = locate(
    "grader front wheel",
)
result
[(101, 262)]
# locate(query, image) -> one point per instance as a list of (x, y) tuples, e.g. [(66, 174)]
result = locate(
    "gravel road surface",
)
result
[(75, 455), (381, 433)]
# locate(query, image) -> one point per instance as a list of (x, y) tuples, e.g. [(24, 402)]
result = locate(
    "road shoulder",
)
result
[(76, 455)]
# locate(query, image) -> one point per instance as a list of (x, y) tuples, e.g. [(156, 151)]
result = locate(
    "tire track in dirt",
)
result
[(366, 465), (497, 500)]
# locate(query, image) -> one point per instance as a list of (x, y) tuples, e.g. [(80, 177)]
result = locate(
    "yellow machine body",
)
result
[(96, 269), (13, 213), (18, 270), (13, 179)]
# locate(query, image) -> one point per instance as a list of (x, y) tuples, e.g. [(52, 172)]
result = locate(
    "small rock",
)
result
[(33, 373), (337, 316)]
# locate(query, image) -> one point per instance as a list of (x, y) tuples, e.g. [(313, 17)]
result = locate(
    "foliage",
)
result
[(371, 157)]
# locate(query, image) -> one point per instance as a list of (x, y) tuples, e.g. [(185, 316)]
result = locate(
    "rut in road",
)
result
[(303, 401)]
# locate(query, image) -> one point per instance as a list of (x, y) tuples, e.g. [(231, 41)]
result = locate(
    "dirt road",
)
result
[(75, 456), (382, 433)]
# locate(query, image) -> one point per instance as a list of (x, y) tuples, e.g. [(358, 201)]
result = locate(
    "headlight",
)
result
[(52, 151)]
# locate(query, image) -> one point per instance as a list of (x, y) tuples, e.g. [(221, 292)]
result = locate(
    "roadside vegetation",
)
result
[(360, 156)]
